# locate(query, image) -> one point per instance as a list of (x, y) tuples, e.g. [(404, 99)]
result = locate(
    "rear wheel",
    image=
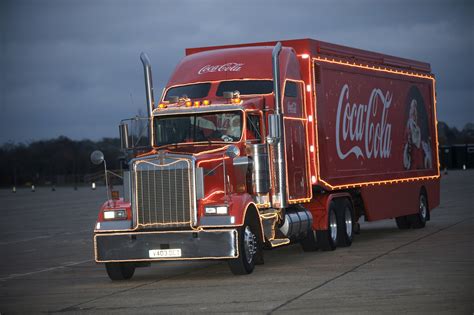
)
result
[(327, 239), (402, 222), (248, 248), (418, 220), (310, 242), (120, 270), (345, 219)]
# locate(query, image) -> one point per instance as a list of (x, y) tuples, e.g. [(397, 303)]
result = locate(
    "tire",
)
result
[(310, 242), (402, 222), (327, 239), (418, 220), (120, 270), (248, 251), (345, 222)]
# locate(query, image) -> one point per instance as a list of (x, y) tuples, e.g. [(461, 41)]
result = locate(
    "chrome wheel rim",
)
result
[(250, 244), (348, 221), (333, 225), (423, 207)]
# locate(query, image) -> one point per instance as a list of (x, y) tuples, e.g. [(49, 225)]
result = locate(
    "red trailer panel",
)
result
[(374, 125)]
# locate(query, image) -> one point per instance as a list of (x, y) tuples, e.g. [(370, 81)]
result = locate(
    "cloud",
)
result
[(72, 67)]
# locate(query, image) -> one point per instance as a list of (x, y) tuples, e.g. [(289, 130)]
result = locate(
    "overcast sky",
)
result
[(72, 68)]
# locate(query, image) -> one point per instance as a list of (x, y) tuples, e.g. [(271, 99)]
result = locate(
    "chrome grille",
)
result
[(164, 192)]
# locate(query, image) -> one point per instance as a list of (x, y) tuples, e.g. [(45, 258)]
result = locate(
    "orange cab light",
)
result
[(236, 100), (206, 102), (189, 103), (162, 105), (197, 103)]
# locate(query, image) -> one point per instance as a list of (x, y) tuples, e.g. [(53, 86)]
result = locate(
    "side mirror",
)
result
[(274, 130), (123, 131), (232, 151), (97, 157)]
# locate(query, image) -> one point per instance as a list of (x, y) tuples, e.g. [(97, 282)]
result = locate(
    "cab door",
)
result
[(297, 151)]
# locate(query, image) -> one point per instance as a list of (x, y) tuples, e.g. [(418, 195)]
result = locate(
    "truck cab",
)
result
[(204, 189)]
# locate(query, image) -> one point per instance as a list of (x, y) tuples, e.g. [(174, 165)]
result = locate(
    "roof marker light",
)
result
[(188, 103), (305, 56), (206, 102), (197, 103)]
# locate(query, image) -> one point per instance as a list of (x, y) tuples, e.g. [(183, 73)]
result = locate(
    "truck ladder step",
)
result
[(279, 242)]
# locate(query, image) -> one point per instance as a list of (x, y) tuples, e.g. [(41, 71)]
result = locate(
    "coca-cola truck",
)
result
[(260, 145)]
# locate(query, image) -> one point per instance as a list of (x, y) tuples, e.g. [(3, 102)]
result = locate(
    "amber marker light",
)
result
[(197, 103), (206, 102), (188, 103), (236, 100), (162, 105)]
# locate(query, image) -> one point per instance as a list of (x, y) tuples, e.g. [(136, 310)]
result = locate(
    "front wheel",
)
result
[(248, 249), (120, 270)]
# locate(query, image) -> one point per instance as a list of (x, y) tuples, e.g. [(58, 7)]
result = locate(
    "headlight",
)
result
[(221, 210), (119, 214)]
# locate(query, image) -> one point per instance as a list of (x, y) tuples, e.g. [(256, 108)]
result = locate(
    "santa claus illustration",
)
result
[(417, 151)]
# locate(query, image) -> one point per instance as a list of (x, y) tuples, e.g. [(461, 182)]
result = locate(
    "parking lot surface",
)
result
[(46, 265)]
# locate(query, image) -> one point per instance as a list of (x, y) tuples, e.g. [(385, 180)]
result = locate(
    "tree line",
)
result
[(63, 161), (59, 161)]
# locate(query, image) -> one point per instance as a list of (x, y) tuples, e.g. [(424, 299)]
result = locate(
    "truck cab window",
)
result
[(191, 91), (191, 128), (291, 89), (246, 87), (253, 128)]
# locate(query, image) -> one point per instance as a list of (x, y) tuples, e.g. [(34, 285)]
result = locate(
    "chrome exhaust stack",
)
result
[(150, 99), (276, 138)]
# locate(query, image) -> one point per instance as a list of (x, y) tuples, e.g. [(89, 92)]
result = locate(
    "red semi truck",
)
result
[(260, 145)]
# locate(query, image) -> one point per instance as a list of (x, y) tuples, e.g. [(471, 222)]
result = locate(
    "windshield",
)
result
[(215, 127), (191, 91), (246, 87)]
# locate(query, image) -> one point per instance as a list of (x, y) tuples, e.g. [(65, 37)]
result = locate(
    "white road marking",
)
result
[(17, 275), (45, 236), (25, 240)]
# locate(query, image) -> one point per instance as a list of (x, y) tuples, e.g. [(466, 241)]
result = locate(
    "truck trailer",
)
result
[(256, 146)]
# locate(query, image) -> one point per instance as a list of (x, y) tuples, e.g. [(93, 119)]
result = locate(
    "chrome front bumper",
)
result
[(193, 245)]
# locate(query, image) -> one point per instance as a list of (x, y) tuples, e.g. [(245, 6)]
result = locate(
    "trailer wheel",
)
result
[(120, 270), (402, 222), (248, 250), (310, 242), (327, 239), (345, 220), (419, 219)]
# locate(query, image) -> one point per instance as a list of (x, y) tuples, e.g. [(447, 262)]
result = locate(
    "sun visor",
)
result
[(227, 64)]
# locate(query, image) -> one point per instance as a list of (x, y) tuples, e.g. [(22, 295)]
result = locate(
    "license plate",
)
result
[(164, 253)]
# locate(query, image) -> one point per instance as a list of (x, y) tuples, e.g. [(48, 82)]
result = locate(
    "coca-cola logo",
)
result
[(362, 129), (230, 66)]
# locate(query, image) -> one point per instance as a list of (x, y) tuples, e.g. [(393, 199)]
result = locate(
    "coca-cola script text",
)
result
[(362, 129), (231, 66)]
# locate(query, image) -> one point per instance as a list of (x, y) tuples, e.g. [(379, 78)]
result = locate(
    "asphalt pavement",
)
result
[(46, 265)]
